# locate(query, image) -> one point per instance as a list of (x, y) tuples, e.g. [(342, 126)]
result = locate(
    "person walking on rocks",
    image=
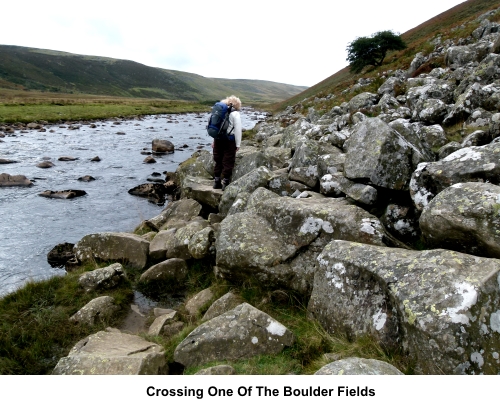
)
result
[(225, 149)]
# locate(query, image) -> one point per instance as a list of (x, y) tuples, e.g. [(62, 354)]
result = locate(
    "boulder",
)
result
[(67, 159), (247, 162), (86, 178), (336, 184), (464, 217), (170, 274), (357, 366), (242, 333), (6, 180), (201, 190), (7, 161), (180, 242), (111, 352), (99, 310), (162, 146), (102, 279), (200, 243), (159, 245), (200, 300), (248, 183), (276, 240), (63, 195), (45, 164), (160, 322), (378, 154), (184, 209), (123, 247), (473, 164), (223, 304), (363, 101), (440, 306), (154, 192), (60, 254)]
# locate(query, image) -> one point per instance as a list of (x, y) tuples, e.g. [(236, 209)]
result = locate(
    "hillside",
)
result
[(417, 39), (61, 72)]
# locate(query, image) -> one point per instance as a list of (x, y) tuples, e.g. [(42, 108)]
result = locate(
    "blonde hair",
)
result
[(235, 101)]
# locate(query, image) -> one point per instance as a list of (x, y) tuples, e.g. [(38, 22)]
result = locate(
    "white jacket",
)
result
[(235, 127)]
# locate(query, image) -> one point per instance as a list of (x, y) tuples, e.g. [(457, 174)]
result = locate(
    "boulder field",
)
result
[(374, 210)]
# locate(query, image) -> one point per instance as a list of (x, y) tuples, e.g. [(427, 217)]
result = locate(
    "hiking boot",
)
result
[(217, 183), (225, 183)]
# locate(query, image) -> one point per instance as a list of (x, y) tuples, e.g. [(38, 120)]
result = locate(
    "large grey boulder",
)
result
[(162, 146), (123, 247), (201, 242), (196, 303), (159, 245), (102, 279), (7, 180), (184, 209), (223, 304), (100, 309), (473, 164), (249, 161), (111, 352), (201, 190), (363, 101), (336, 184), (170, 273), (277, 240), (247, 183), (179, 247), (440, 306), (464, 217), (241, 333), (358, 366), (378, 154)]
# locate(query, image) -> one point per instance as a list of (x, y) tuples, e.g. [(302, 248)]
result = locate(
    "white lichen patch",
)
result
[(367, 227), (469, 298), (464, 154), (477, 358), (379, 319), (255, 340), (311, 225), (327, 227), (276, 328), (495, 321)]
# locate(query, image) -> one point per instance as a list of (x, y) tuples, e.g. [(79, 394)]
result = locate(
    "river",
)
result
[(31, 225)]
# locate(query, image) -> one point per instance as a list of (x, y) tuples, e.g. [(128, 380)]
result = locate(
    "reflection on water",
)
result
[(31, 225)]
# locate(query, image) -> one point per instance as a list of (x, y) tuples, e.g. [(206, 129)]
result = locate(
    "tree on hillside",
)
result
[(365, 51)]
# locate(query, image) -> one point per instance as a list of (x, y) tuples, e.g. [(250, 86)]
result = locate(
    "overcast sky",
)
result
[(300, 42)]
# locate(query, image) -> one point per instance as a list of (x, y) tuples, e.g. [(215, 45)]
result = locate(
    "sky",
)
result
[(299, 42)]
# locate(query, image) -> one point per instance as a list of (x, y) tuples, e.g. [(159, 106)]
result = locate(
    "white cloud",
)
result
[(268, 40)]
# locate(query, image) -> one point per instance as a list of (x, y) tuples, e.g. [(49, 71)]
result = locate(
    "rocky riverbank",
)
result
[(381, 213)]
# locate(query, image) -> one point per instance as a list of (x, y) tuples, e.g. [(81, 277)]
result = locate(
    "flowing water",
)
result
[(31, 225)]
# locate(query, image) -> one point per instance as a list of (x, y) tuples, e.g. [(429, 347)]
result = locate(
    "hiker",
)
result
[(225, 148)]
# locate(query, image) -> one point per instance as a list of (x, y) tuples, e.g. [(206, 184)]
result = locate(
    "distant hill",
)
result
[(54, 71)]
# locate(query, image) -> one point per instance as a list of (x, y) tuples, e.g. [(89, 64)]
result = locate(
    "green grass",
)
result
[(35, 331), (313, 347), (75, 109)]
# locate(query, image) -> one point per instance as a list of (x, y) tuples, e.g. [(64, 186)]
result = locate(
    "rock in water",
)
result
[(60, 254), (6, 180), (64, 195), (162, 146)]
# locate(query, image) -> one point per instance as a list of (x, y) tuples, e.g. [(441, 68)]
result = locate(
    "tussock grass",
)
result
[(35, 331)]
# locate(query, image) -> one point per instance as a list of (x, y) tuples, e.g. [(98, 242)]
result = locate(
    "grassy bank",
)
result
[(35, 331), (21, 106)]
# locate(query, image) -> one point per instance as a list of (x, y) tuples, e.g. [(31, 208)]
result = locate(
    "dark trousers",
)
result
[(224, 157)]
